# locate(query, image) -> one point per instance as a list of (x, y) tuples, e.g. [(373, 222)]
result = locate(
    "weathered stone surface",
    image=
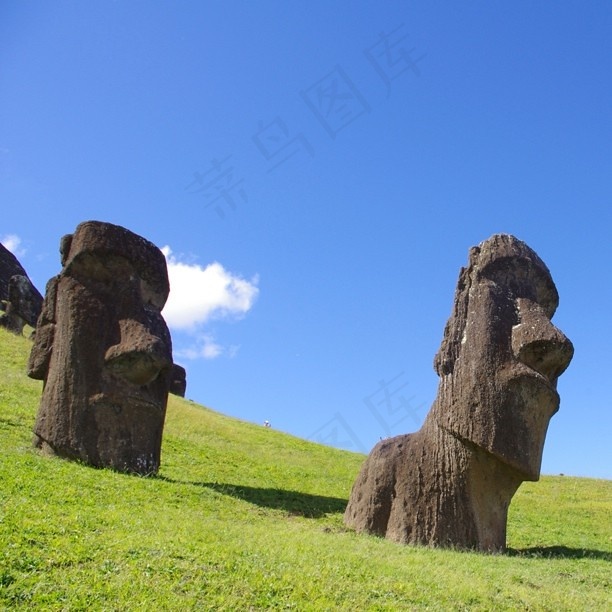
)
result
[(9, 266), (21, 301), (450, 483), (23, 305), (104, 351), (178, 380)]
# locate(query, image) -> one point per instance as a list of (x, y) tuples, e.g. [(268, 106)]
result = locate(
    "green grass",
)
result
[(245, 518)]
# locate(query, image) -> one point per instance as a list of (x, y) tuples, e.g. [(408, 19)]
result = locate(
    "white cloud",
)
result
[(206, 347), (199, 294), (12, 243)]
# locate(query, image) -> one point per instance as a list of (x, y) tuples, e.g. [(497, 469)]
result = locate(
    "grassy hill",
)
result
[(242, 517)]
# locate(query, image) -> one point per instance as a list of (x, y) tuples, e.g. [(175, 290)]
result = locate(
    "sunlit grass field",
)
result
[(242, 517)]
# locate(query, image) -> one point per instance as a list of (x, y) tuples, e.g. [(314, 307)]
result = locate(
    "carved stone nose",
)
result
[(140, 356), (537, 343), (139, 367)]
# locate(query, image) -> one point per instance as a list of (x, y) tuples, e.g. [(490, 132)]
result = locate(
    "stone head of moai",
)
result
[(104, 351), (19, 298), (450, 483)]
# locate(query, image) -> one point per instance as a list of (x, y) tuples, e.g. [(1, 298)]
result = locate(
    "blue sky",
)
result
[(318, 172)]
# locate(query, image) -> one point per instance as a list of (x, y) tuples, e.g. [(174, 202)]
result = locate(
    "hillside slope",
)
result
[(244, 517)]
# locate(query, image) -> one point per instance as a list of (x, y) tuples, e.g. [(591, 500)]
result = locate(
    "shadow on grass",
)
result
[(559, 552), (293, 502)]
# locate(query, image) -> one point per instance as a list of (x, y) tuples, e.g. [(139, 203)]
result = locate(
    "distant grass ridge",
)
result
[(243, 517)]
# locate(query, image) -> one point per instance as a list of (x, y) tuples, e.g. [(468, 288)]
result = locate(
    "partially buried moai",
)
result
[(20, 300), (104, 351), (450, 483)]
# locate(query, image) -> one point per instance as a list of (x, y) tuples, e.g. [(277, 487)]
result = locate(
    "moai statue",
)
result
[(23, 305), (9, 267), (19, 299), (104, 351), (450, 483)]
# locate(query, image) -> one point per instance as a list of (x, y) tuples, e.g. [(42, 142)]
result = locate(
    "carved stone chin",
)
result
[(178, 380), (450, 483), (104, 351)]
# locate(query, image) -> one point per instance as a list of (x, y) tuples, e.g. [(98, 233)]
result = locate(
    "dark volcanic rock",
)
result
[(178, 380), (23, 305), (20, 299), (104, 351), (450, 483), (9, 266)]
